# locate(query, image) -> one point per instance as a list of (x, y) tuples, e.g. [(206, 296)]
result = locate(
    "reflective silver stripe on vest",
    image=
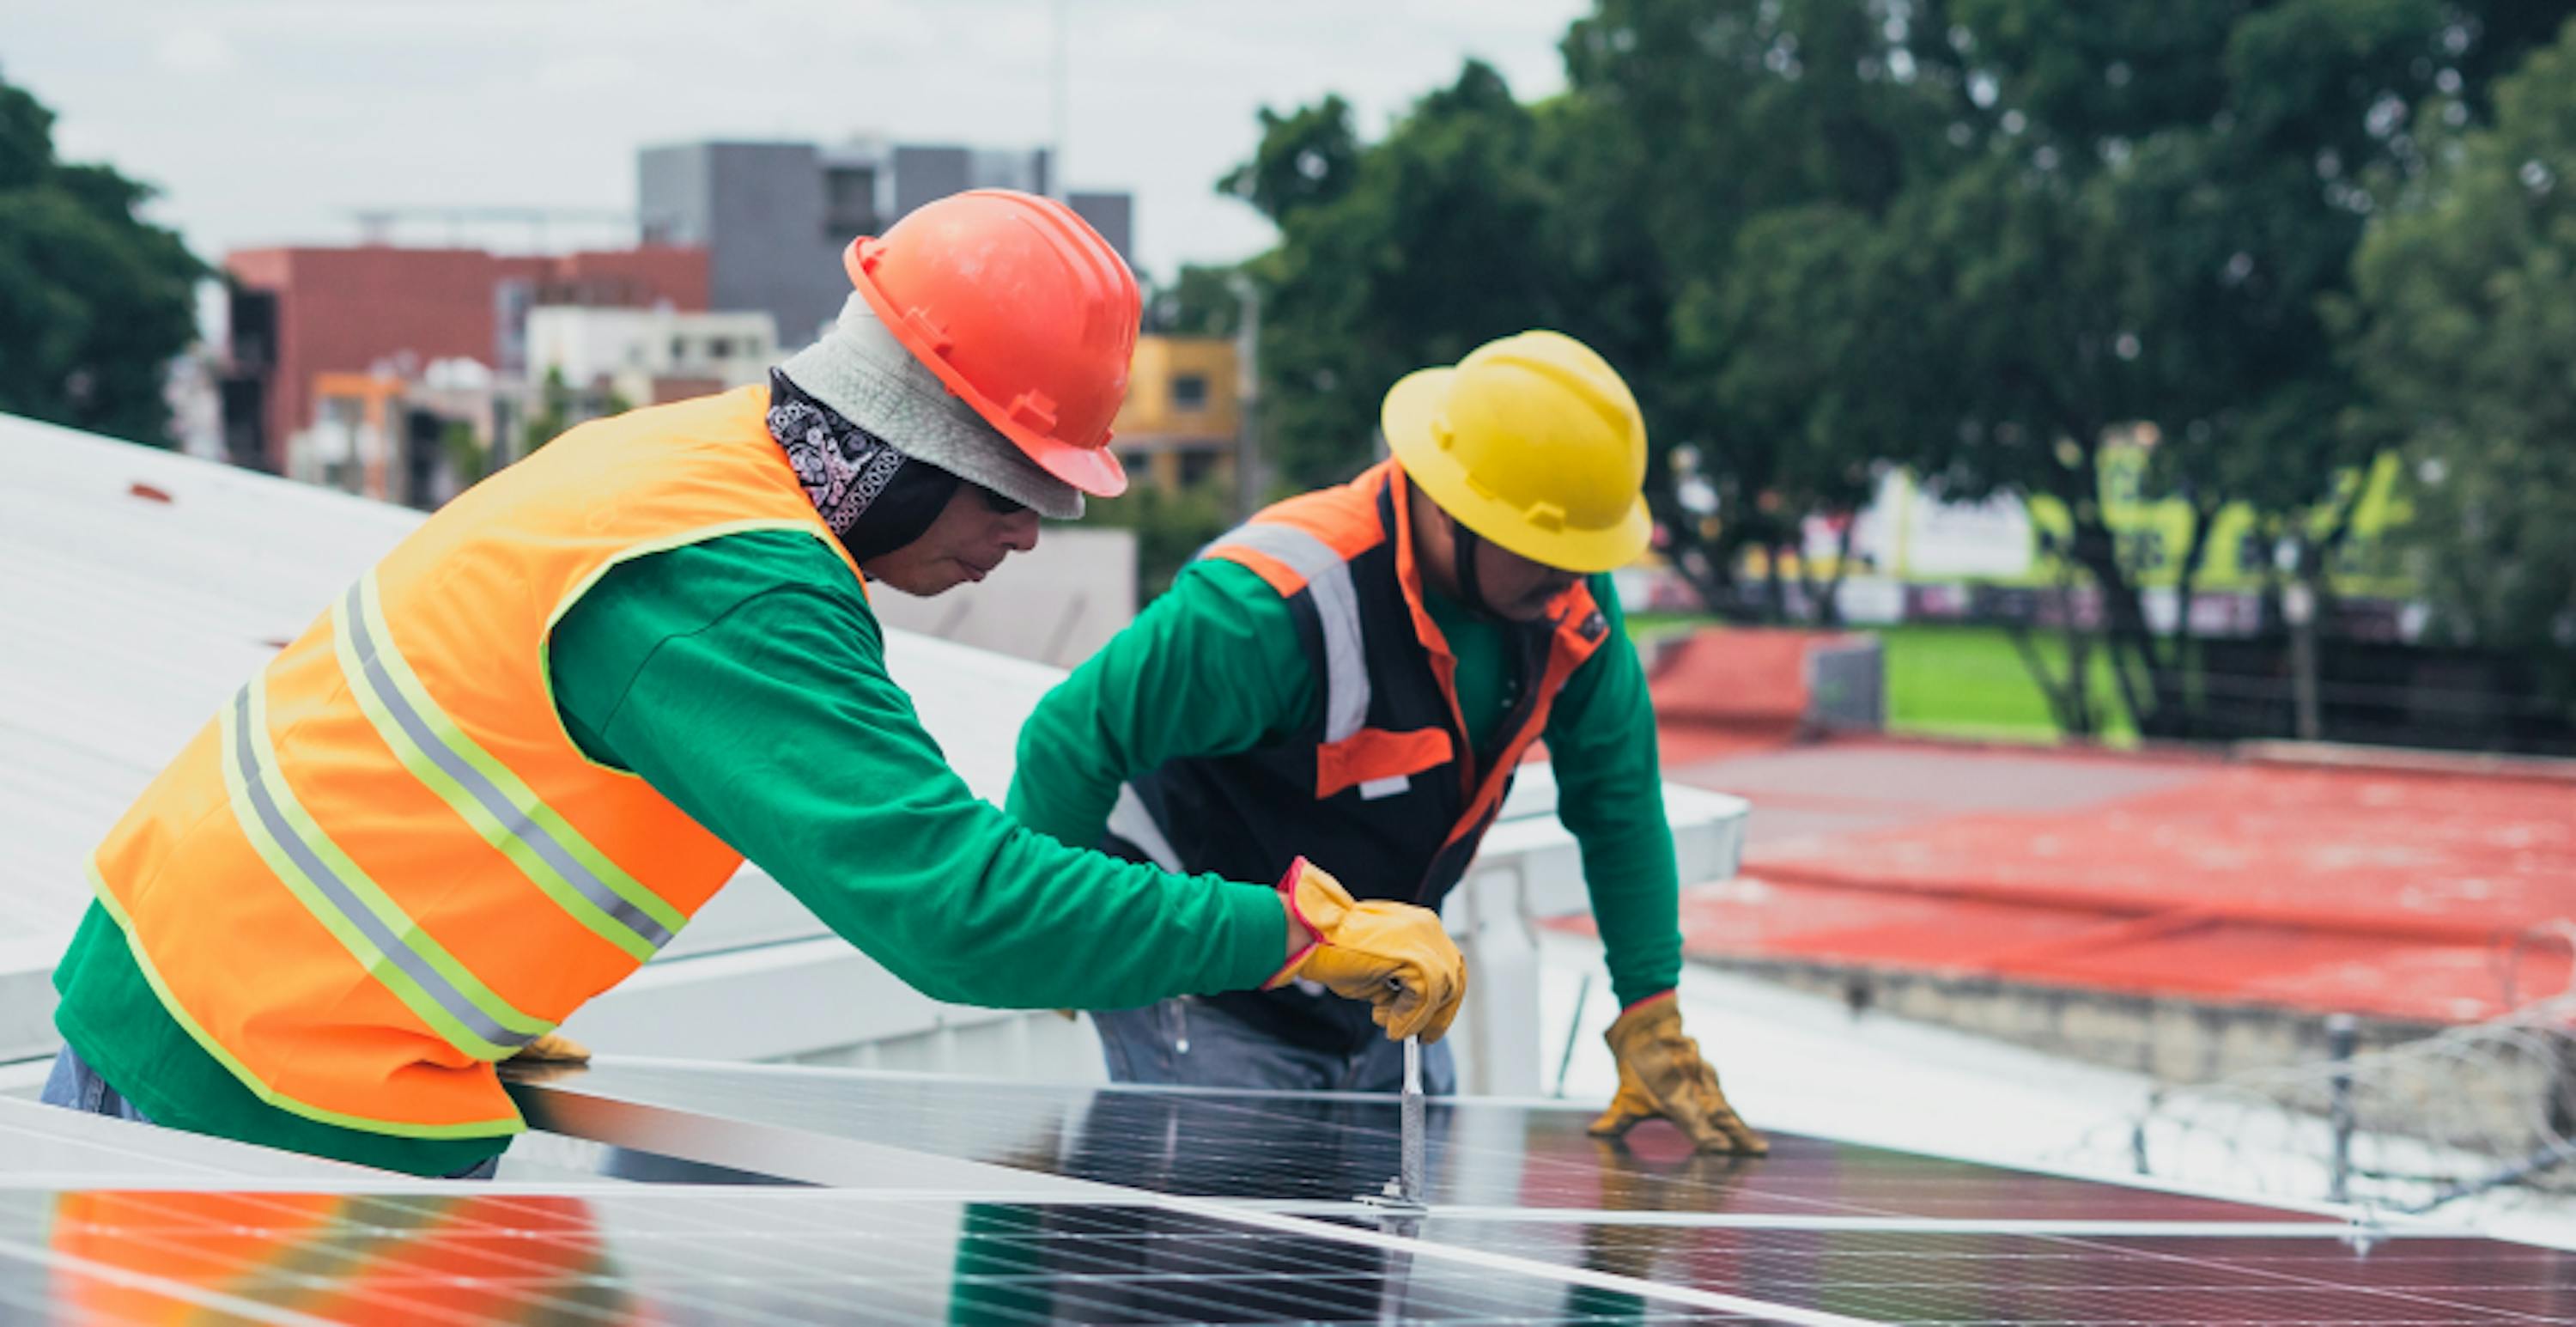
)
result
[(1337, 607), (342, 896), (1130, 821), (513, 820)]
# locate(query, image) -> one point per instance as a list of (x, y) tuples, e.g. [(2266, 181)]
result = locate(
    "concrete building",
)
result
[(413, 436), (1182, 419), (774, 217), (648, 356), (298, 313)]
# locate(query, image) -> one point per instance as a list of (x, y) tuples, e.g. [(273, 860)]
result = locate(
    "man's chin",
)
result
[(928, 585)]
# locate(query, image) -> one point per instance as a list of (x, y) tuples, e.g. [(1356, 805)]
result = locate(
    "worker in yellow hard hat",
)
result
[(1355, 674)]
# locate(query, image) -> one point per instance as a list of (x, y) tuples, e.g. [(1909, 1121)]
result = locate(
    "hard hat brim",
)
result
[(1409, 418)]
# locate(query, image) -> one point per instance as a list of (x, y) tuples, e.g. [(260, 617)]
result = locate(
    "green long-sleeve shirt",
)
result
[(1213, 668), (744, 678)]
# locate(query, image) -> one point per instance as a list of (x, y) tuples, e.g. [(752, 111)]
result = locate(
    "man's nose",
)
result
[(1020, 532)]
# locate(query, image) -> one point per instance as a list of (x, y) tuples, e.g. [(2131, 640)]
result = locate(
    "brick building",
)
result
[(299, 313)]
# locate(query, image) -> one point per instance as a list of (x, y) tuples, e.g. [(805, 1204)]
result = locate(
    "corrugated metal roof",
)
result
[(137, 589)]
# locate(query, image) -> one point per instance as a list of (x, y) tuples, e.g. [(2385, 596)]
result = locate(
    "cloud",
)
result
[(193, 51), (267, 121), (588, 72)]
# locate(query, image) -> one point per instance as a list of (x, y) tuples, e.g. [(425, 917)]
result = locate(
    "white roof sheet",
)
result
[(139, 587)]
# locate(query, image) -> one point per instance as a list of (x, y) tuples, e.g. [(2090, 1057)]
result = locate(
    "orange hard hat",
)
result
[(1023, 311)]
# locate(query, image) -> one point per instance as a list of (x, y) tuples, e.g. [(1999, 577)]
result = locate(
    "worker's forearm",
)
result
[(825, 778), (1610, 793), (1637, 908)]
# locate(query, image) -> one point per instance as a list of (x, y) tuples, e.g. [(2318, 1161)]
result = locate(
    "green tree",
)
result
[(1305, 157), (94, 301), (2160, 203), (1408, 253), (1198, 302), (1727, 165), (2463, 324), (1170, 527)]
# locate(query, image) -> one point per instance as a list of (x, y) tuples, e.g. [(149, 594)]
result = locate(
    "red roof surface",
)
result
[(2394, 893)]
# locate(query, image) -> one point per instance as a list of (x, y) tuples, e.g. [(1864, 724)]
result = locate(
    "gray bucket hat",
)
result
[(860, 370)]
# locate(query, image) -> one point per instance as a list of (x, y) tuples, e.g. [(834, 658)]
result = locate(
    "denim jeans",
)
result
[(1190, 1043), (73, 1085)]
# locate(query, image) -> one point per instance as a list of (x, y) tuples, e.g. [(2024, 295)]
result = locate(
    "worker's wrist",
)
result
[(1299, 938)]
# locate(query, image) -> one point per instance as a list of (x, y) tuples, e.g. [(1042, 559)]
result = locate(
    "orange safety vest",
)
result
[(1383, 788), (385, 865)]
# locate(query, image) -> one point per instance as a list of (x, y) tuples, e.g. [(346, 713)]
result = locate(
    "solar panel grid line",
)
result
[(543, 1286), (770, 1255), (822, 1290), (1257, 1143), (1173, 1286), (318, 1266), (1875, 1224), (1498, 1262), (1641, 1289), (2431, 1301), (178, 1291), (1959, 1278)]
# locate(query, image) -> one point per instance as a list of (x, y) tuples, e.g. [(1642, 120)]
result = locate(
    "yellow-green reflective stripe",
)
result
[(502, 808), (233, 1065), (375, 930)]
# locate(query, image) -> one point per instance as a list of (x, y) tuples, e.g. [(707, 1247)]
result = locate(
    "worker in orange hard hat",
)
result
[(510, 762), (1356, 674)]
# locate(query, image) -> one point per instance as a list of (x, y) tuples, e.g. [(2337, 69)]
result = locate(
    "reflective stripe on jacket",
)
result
[(385, 865)]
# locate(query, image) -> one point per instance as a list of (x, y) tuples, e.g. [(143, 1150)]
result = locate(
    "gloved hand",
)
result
[(553, 1048), (1661, 1073), (1394, 955)]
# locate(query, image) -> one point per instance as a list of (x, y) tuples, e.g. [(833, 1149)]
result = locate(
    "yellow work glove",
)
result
[(553, 1048), (1394, 955), (1661, 1074)]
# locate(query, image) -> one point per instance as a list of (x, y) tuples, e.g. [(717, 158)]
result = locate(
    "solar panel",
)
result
[(1007, 1202), (40, 1144), (733, 1256), (1303, 1148), (1981, 1276)]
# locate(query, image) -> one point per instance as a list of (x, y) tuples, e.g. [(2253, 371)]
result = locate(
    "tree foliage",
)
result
[(1980, 238), (2463, 325), (94, 301)]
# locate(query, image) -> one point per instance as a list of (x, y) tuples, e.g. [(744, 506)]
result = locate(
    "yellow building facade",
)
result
[(1183, 413)]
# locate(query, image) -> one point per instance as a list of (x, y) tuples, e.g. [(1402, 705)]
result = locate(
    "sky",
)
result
[(270, 122)]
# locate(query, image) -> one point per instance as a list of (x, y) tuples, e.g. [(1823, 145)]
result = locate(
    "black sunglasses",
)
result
[(996, 502)]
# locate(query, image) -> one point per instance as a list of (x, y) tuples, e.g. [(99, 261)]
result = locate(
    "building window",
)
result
[(679, 348), (1189, 391), (849, 203), (719, 347)]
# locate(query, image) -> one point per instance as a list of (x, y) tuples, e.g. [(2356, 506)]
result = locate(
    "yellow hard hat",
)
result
[(1532, 442)]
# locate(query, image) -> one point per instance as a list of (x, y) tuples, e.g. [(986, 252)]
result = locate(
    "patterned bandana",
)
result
[(874, 497)]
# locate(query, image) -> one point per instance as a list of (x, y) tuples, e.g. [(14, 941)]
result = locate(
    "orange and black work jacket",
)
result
[(1382, 788)]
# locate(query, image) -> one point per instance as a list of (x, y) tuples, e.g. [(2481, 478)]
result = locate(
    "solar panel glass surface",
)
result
[(730, 1256), (1328, 1148)]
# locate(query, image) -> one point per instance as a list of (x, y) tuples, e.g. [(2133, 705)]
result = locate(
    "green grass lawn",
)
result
[(1969, 681), (1960, 681)]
